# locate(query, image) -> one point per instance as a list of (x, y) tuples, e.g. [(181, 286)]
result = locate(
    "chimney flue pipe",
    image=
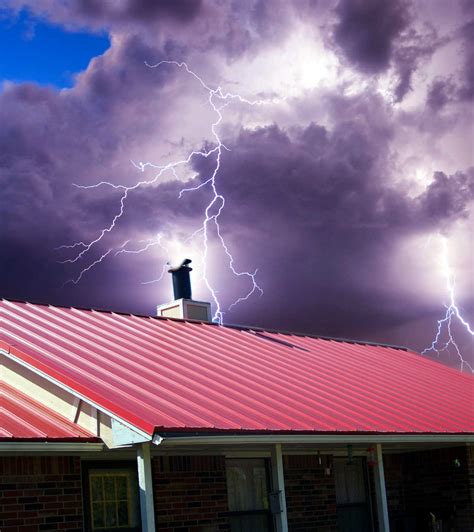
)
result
[(181, 280)]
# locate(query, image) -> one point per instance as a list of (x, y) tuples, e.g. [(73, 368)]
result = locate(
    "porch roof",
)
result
[(23, 418)]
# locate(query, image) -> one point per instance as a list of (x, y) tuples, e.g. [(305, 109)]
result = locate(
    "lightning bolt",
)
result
[(91, 265), (149, 243), (218, 99), (444, 328)]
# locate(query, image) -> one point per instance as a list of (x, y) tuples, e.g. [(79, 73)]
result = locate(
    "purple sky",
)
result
[(340, 190)]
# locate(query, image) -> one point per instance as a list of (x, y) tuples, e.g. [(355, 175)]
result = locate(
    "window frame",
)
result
[(110, 467)]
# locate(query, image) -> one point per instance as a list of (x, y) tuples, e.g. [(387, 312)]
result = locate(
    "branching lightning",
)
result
[(444, 329), (217, 100), (91, 265), (149, 243)]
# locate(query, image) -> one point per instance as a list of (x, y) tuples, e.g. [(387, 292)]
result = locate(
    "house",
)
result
[(114, 421)]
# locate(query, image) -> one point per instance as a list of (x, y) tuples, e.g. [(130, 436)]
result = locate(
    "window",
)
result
[(111, 497), (247, 488), (110, 500)]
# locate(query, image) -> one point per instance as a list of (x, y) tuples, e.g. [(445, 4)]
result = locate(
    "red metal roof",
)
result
[(179, 375), (22, 418)]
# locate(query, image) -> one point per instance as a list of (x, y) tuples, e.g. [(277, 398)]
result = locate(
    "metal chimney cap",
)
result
[(182, 266)]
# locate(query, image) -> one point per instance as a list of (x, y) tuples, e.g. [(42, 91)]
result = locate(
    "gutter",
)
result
[(236, 439), (64, 447)]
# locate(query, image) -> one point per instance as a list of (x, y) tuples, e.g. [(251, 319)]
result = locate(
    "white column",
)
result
[(380, 492), (145, 485), (279, 485)]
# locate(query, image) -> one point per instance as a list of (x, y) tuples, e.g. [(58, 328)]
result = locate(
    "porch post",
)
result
[(279, 485), (145, 485), (380, 492)]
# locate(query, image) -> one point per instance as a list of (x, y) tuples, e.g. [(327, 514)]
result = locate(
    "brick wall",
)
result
[(40, 493), (310, 494), (429, 481), (190, 493)]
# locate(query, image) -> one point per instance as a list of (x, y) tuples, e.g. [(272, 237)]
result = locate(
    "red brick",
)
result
[(180, 481), (310, 494), (39, 482)]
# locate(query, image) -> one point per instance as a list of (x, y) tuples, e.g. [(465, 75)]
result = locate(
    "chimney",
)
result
[(181, 280), (184, 306)]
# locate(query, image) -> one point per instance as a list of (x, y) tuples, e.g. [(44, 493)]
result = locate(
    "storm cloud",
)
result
[(322, 187), (366, 31)]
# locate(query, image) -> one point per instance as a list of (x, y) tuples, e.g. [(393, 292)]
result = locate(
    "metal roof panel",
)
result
[(181, 375)]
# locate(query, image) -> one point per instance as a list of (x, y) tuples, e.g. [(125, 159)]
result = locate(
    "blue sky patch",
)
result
[(34, 50)]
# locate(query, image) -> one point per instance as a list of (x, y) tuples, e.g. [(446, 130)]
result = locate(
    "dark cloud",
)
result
[(231, 28), (467, 6), (366, 31), (375, 35), (111, 14), (466, 86), (331, 223), (447, 197), (458, 87), (110, 11), (408, 55), (51, 139), (440, 93)]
